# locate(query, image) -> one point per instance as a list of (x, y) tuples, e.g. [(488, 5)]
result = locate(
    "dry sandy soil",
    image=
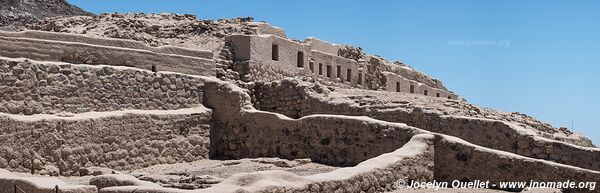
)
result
[(204, 173)]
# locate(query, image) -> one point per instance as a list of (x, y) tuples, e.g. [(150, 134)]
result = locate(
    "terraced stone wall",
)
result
[(65, 50), (34, 87), (456, 159), (241, 131), (55, 145), (285, 97), (485, 132)]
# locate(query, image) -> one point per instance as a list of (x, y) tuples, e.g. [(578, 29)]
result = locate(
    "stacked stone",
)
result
[(282, 97), (225, 64), (33, 88), (456, 159), (132, 141)]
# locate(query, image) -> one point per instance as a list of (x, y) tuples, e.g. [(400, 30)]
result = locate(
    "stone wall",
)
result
[(485, 132), (111, 42), (254, 54), (397, 83), (268, 29), (84, 53), (241, 131), (335, 68), (285, 97), (328, 139), (55, 145), (413, 161), (456, 159), (257, 50), (322, 46), (34, 87)]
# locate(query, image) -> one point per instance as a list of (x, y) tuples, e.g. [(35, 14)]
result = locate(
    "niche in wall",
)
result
[(320, 68), (300, 59), (349, 75), (275, 52), (359, 81)]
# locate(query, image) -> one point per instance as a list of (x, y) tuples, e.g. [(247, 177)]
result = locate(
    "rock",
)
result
[(50, 170)]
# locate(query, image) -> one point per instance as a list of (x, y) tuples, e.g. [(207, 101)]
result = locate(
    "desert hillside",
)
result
[(15, 13)]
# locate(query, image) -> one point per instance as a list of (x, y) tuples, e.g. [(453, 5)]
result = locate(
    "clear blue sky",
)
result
[(547, 66)]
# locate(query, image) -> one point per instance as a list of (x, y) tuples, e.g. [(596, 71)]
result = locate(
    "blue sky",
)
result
[(545, 62)]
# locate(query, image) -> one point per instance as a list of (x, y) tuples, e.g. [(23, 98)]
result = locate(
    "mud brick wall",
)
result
[(83, 53), (33, 88), (58, 146), (110, 42), (240, 131), (328, 139), (456, 159), (485, 132)]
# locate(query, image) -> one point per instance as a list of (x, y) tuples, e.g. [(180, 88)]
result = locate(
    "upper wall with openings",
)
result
[(272, 58), (397, 83)]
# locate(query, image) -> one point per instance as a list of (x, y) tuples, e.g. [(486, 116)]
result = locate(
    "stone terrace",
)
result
[(77, 102)]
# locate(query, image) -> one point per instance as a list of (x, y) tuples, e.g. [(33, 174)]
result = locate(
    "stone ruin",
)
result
[(83, 103)]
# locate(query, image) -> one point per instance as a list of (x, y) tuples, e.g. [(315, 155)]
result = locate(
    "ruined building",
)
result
[(139, 102)]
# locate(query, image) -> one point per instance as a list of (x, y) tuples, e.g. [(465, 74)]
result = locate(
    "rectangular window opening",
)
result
[(311, 65), (339, 72), (275, 52), (412, 89), (300, 59), (349, 75), (359, 81), (320, 68), (329, 71)]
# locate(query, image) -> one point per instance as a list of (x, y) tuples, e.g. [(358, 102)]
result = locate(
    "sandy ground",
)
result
[(205, 173)]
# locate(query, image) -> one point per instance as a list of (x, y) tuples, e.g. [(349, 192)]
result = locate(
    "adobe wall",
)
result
[(46, 87), (322, 46), (395, 81), (339, 68), (268, 29), (84, 53), (111, 42), (118, 140), (485, 132), (241, 131), (284, 97), (261, 64), (328, 139), (413, 161), (456, 159), (253, 55)]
